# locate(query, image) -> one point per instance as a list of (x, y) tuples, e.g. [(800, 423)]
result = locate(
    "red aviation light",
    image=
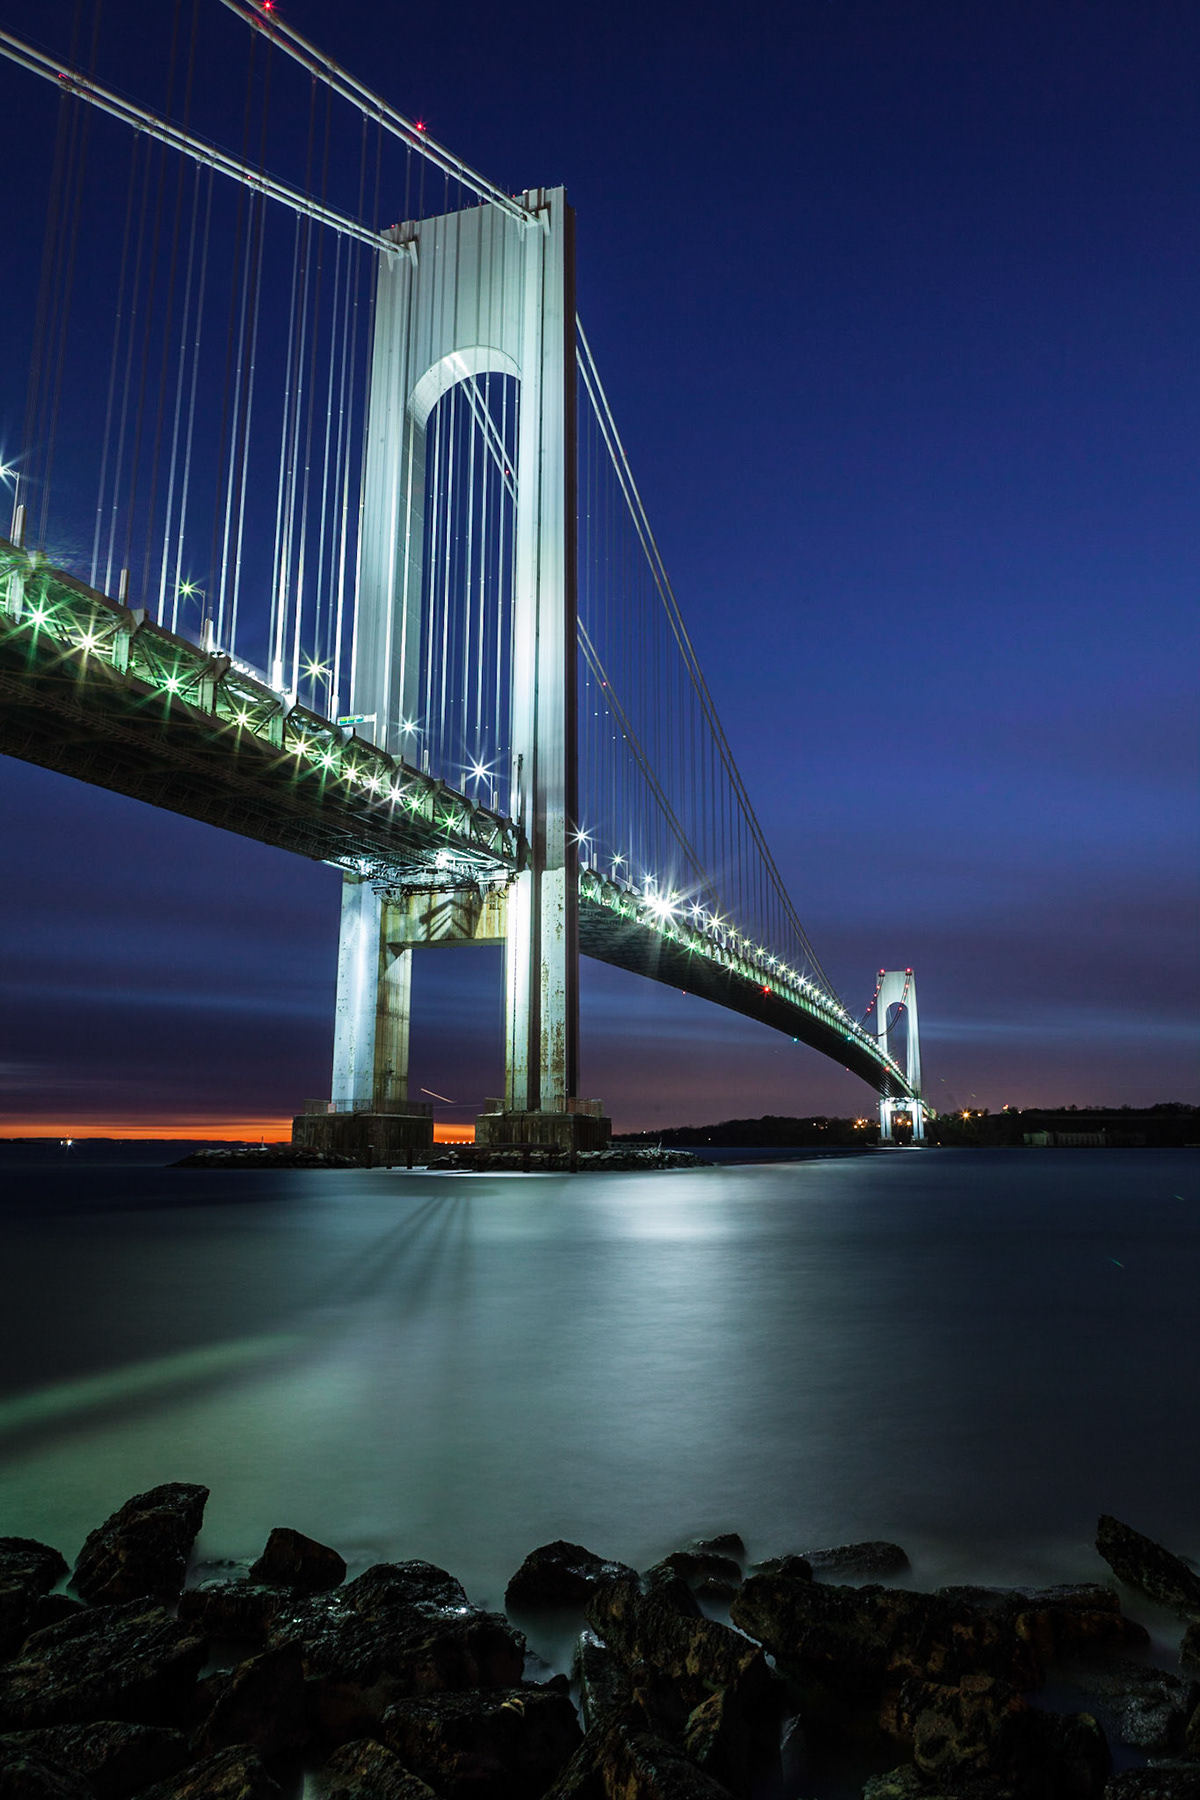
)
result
[(420, 125)]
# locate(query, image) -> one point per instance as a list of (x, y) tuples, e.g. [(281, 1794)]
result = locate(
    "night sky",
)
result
[(896, 304)]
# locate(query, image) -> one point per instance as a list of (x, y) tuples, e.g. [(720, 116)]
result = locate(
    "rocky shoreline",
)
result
[(466, 1159), (118, 1681)]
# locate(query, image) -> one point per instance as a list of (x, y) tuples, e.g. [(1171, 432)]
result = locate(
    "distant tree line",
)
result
[(1171, 1124)]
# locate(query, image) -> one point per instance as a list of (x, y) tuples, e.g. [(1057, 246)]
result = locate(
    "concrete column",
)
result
[(357, 993), (392, 1014), (543, 921)]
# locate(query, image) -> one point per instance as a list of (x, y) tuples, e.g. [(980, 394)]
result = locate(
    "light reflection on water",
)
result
[(972, 1352)]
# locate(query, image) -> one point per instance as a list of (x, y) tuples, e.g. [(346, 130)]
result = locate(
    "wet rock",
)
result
[(702, 1572), (26, 1776), (875, 1561), (293, 1560), (365, 1770), (143, 1549), (982, 1731), (51, 1609), (621, 1762), (506, 1743), (796, 1568), (1189, 1650), (398, 1630), (857, 1641), (559, 1574), (605, 1688), (242, 1610), (725, 1543), (236, 1774), (1080, 1618), (1191, 1735), (115, 1758), (28, 1570), (903, 1783), (262, 1704), (706, 1683), (1145, 1565), (131, 1662), (1179, 1781), (671, 1591), (1149, 1708)]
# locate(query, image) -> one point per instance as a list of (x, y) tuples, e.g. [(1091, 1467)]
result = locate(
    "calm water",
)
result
[(974, 1353)]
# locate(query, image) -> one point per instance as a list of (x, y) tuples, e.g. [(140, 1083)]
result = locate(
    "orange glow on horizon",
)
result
[(216, 1131), (224, 1131), (453, 1134)]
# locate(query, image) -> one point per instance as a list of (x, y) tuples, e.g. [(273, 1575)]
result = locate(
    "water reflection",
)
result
[(937, 1348)]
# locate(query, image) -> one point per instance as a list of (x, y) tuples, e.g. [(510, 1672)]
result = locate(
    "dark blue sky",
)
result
[(896, 304)]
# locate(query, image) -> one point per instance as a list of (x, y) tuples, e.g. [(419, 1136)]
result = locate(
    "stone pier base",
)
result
[(374, 1139), (549, 1130)]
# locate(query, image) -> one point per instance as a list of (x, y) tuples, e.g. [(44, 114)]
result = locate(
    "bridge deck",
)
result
[(98, 691)]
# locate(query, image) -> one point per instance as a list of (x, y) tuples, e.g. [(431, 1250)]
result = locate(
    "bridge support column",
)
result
[(898, 987), (370, 1045)]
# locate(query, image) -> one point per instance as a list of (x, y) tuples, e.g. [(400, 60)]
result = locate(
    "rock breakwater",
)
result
[(120, 1682)]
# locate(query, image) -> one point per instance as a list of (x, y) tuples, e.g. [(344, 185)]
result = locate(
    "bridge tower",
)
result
[(898, 987), (463, 295)]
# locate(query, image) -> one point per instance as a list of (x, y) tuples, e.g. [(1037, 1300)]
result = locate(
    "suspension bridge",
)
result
[(323, 532)]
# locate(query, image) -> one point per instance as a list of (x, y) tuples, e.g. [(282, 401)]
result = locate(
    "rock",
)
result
[(707, 1683), (293, 1560), (857, 1641), (903, 1783), (672, 1592), (143, 1549), (796, 1568), (505, 1743), (235, 1774), (26, 1776), (242, 1610), (1068, 1620), (132, 1662), (605, 1688), (28, 1570), (1149, 1708), (718, 1577), (262, 1704), (1177, 1781), (559, 1574), (1191, 1735), (398, 1630), (982, 1731), (619, 1762), (365, 1770), (1145, 1565), (51, 1609), (725, 1543), (115, 1758), (874, 1561)]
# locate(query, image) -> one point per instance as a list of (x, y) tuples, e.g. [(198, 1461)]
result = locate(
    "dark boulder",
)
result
[(28, 1570), (981, 1731), (262, 1704), (1189, 1650), (24, 1775), (796, 1568), (1145, 1565), (875, 1561), (725, 1543), (131, 1662), (242, 1610), (236, 1774), (1174, 1781), (293, 1560), (695, 1680), (143, 1549), (398, 1630), (669, 1590), (620, 1762), (505, 1743), (1147, 1708), (365, 1770), (559, 1574), (605, 1687), (704, 1572), (856, 1641), (115, 1758)]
